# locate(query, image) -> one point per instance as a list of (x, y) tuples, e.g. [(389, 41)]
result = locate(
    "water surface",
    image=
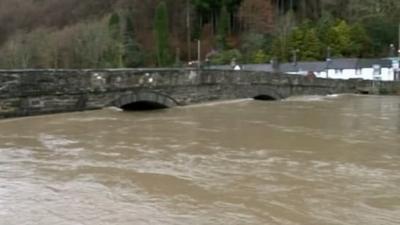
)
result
[(307, 160)]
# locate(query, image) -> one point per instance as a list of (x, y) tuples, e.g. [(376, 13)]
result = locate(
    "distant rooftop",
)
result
[(303, 66), (315, 66), (342, 63), (363, 63)]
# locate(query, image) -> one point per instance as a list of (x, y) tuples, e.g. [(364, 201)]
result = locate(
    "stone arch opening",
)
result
[(144, 101), (143, 106), (265, 98), (263, 93)]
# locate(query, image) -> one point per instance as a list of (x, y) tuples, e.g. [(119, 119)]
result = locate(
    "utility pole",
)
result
[(328, 53), (392, 51), (188, 31), (397, 70), (294, 56), (199, 54), (398, 47), (328, 60), (177, 57)]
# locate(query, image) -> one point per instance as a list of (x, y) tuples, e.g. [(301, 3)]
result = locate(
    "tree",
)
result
[(93, 33), (133, 55), (285, 25), (296, 40), (223, 27), (311, 49), (226, 57), (279, 49), (256, 15), (310, 9), (260, 57), (382, 32), (162, 35), (361, 41), (253, 44), (116, 51), (342, 40), (305, 40)]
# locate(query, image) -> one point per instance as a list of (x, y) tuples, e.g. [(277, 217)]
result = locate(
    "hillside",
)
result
[(123, 33)]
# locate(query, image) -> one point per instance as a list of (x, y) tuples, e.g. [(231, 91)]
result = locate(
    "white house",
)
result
[(375, 69), (346, 68), (339, 69), (342, 68)]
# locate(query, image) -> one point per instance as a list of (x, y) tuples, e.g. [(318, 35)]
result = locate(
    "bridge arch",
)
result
[(265, 94), (264, 97), (144, 101)]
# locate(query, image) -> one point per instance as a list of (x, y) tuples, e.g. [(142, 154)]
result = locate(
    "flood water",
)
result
[(307, 160)]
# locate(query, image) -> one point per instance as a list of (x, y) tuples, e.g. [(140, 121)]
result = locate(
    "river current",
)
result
[(312, 160)]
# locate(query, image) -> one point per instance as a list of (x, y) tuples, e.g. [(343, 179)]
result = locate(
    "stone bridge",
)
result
[(34, 92)]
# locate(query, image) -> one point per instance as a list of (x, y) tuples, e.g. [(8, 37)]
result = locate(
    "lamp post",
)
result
[(399, 42), (188, 31), (392, 51), (199, 54), (294, 56), (328, 53), (328, 60)]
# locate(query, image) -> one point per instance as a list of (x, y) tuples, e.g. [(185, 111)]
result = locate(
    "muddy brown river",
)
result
[(304, 161)]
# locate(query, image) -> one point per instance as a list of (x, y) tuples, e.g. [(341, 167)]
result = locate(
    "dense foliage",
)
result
[(132, 33)]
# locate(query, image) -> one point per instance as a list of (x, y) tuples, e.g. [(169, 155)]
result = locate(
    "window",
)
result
[(338, 71), (377, 70)]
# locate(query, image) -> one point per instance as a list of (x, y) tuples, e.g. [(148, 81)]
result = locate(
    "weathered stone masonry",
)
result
[(34, 92)]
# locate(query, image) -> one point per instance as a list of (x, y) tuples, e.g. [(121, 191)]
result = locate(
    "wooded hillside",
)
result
[(133, 33)]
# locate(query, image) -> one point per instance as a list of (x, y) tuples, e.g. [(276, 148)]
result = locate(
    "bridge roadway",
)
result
[(35, 92)]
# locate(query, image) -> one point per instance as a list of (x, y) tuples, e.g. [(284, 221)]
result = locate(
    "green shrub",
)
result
[(225, 57)]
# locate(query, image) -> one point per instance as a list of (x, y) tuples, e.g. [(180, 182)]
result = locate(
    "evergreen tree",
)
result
[(256, 16), (382, 32), (311, 48), (260, 57), (252, 45), (280, 50), (296, 41), (361, 42), (133, 56), (116, 51), (223, 28), (114, 24), (343, 38), (162, 35)]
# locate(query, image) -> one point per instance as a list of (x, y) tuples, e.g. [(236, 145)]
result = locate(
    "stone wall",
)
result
[(34, 92)]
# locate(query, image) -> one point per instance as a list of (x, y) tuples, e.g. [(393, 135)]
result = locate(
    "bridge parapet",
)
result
[(32, 92)]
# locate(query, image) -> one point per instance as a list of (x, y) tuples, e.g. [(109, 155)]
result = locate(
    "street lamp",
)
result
[(328, 60), (294, 55), (392, 51), (328, 53), (399, 42)]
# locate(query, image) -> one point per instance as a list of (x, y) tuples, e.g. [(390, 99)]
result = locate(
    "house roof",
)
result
[(220, 67), (363, 63), (312, 66), (316, 66), (288, 67), (342, 63), (258, 67)]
